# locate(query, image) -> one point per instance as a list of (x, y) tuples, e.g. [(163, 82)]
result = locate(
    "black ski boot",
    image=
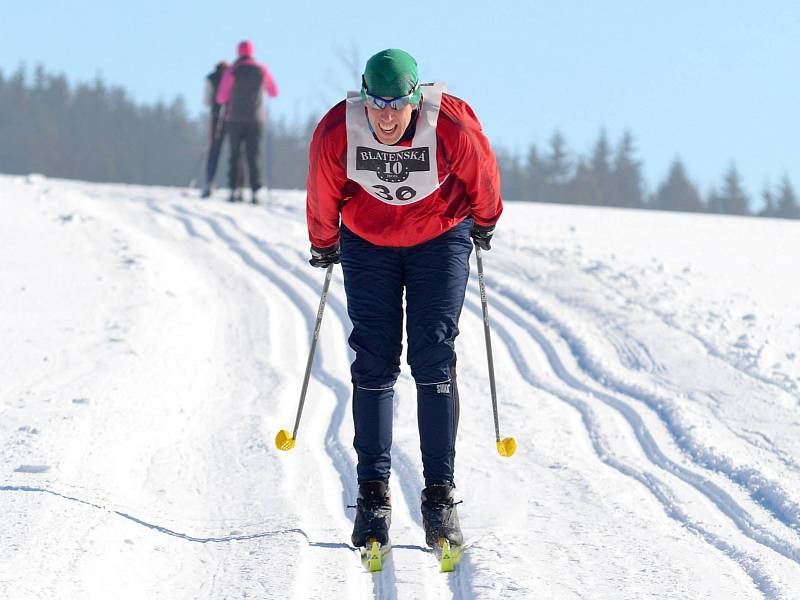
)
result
[(439, 516), (373, 514)]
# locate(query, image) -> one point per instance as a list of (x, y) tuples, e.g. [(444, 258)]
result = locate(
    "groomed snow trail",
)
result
[(153, 344)]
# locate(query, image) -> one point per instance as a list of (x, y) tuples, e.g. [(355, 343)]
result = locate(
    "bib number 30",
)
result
[(403, 193)]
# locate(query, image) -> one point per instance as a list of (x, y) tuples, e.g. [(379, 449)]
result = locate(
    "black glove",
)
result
[(325, 257), (482, 236)]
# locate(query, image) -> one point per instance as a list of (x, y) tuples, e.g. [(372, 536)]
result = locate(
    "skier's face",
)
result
[(389, 124)]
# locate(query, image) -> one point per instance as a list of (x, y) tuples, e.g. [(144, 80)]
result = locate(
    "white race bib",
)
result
[(394, 174)]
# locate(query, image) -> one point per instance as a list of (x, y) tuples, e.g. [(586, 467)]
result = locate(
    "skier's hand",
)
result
[(482, 236), (325, 257)]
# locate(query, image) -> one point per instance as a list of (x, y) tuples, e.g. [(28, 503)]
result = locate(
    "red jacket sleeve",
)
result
[(269, 83), (473, 163), (327, 176)]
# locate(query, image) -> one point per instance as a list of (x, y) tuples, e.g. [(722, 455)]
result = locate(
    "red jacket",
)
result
[(462, 153)]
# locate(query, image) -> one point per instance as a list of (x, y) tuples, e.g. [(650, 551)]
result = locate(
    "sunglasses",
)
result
[(395, 103)]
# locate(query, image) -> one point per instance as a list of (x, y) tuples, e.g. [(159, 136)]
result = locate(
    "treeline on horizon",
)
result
[(95, 132), (613, 177)]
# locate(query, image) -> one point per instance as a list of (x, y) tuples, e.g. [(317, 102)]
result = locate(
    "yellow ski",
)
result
[(447, 556), (372, 555)]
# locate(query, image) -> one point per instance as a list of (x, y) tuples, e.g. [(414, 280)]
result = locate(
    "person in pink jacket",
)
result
[(241, 91)]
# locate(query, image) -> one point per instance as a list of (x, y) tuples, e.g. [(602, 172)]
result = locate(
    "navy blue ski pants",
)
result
[(434, 277)]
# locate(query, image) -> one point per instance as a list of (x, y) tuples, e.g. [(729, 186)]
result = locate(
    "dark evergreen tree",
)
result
[(557, 169), (581, 189), (731, 199), (15, 146), (510, 174), (627, 185), (787, 203), (768, 209), (677, 192), (714, 202), (593, 181), (288, 153), (557, 163), (535, 180)]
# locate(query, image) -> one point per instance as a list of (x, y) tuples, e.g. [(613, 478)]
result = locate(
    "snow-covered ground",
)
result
[(152, 345)]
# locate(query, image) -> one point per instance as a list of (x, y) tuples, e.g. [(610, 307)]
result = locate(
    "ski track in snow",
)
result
[(161, 528), (675, 469), (768, 494), (385, 583), (710, 348), (657, 487), (670, 321), (721, 499), (407, 473), (336, 451)]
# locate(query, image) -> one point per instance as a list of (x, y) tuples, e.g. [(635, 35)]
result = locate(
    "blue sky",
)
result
[(714, 82)]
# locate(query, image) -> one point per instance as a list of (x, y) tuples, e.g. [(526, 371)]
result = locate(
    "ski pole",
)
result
[(283, 440), (268, 155), (506, 446)]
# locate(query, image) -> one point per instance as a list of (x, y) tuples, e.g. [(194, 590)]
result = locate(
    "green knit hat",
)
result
[(392, 73)]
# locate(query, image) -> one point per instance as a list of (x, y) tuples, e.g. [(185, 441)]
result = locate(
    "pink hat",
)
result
[(246, 48)]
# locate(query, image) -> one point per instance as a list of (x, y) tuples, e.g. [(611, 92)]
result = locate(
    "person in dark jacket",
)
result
[(241, 91), (216, 129)]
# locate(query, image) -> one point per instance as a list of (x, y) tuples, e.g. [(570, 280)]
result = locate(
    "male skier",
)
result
[(401, 183)]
